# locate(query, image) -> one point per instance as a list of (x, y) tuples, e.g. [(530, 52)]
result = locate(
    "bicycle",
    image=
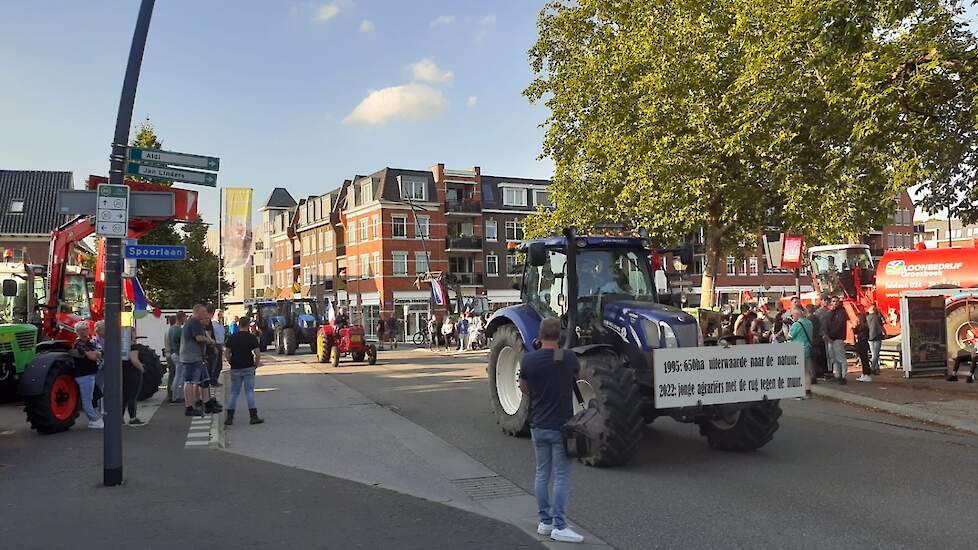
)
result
[(420, 338)]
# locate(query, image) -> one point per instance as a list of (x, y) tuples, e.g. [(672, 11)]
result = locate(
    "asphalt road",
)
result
[(834, 476)]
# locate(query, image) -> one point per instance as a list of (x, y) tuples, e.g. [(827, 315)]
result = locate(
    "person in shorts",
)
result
[(193, 349)]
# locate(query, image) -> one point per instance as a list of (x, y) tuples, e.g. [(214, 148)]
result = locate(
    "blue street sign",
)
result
[(155, 252)]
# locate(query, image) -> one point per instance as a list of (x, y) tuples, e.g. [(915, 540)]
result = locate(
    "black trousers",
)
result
[(132, 380), (961, 358), (862, 350)]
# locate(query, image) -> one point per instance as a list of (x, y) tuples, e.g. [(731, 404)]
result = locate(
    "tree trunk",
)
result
[(711, 264)]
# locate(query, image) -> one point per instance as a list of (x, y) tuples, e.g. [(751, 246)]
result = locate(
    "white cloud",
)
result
[(367, 26), (426, 71), (471, 101), (488, 20), (324, 12), (485, 25), (441, 20), (407, 102)]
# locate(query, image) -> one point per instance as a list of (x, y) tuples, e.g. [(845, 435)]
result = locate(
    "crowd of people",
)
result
[(464, 332)]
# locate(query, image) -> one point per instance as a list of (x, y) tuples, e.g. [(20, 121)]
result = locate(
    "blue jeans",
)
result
[(551, 459), (874, 354), (86, 387), (176, 385), (239, 377)]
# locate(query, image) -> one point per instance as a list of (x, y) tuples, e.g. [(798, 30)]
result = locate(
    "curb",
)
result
[(219, 433), (908, 411)]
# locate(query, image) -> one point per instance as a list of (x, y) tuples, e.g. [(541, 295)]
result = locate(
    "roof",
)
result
[(39, 191), (591, 242), (492, 196), (384, 184), (280, 198)]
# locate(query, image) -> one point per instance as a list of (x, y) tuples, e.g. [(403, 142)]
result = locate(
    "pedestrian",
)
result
[(742, 329), (861, 334), (759, 330), (381, 329), (392, 330), (215, 353), (475, 325), (463, 331), (875, 324), (822, 315), (547, 376), (233, 327), (342, 320), (835, 331), (244, 357), (86, 359), (818, 346), (779, 324), (447, 329), (99, 392), (132, 379), (174, 365), (432, 332), (964, 354), (193, 348), (801, 331), (739, 321)]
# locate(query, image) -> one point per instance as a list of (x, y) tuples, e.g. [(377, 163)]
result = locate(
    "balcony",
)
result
[(465, 243), (467, 279), (463, 206)]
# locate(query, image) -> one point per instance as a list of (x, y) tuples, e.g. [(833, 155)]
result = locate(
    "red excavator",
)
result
[(49, 391)]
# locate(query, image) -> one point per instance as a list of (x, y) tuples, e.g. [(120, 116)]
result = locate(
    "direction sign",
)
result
[(142, 204), (160, 172), (112, 211), (155, 252), (176, 159)]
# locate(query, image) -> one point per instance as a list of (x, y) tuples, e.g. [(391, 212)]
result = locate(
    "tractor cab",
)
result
[(21, 296), (841, 270)]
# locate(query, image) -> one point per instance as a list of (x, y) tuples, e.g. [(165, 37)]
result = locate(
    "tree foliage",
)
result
[(177, 284), (733, 115)]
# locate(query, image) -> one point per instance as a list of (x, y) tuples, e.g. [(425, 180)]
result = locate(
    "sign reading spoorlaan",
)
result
[(711, 375), (155, 252), (165, 173), (174, 159)]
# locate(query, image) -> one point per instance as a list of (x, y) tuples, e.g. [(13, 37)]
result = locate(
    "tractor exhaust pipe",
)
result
[(570, 234)]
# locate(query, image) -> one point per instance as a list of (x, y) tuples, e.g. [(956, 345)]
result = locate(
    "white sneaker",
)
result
[(97, 424), (544, 528), (864, 378), (565, 535)]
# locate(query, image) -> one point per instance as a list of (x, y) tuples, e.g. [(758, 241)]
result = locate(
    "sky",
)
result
[(300, 95)]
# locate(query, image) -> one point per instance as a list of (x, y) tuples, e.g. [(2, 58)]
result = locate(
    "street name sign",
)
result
[(112, 211), (155, 252), (161, 172), (174, 159), (142, 204)]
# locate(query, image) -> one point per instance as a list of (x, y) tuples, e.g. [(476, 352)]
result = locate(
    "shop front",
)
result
[(411, 311)]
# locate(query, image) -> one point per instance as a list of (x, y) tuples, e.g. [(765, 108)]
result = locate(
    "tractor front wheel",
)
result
[(279, 342), (322, 348), (743, 428), (610, 387), (509, 405), (56, 409), (314, 343), (290, 341), (334, 357), (371, 355)]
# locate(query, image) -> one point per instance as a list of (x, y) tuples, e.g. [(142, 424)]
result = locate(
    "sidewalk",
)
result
[(926, 398)]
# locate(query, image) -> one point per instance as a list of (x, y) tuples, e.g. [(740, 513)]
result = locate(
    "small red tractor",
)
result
[(331, 343)]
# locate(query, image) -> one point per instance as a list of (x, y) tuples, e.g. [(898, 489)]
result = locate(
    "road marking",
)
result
[(200, 432)]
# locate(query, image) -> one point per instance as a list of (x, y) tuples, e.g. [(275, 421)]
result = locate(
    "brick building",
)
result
[(269, 254), (27, 212), (315, 233), (898, 234)]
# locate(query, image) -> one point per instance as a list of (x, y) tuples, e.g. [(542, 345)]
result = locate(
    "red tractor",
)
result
[(332, 343)]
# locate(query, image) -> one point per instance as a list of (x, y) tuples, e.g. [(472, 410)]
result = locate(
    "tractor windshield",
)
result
[(15, 309), (76, 296), (831, 268), (305, 308)]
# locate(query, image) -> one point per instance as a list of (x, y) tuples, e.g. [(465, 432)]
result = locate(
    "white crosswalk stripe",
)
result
[(200, 433)]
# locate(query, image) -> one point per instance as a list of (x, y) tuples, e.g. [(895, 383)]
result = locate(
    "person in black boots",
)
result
[(132, 380), (965, 355), (244, 357)]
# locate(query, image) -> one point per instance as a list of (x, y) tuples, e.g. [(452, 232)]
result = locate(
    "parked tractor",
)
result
[(602, 289), (298, 322), (350, 340)]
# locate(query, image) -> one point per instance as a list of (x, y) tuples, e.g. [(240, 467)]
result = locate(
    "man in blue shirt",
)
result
[(547, 377)]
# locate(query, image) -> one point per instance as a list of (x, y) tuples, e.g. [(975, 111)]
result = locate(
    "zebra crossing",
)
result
[(201, 432)]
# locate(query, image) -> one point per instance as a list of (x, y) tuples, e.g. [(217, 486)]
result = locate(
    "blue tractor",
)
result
[(603, 291), (297, 323)]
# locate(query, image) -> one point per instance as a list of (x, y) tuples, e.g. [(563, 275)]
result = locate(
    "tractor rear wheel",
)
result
[(334, 357), (611, 388), (314, 343), (152, 371), (290, 341), (742, 429), (56, 409), (959, 322), (358, 356), (509, 405)]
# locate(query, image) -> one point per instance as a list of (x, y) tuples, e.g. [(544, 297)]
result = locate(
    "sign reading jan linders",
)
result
[(710, 375)]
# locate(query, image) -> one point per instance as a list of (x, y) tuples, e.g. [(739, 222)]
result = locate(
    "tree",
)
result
[(177, 284), (733, 115)]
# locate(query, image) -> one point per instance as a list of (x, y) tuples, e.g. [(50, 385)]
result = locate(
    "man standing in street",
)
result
[(86, 359), (547, 376), (392, 331), (835, 333), (174, 365), (193, 347), (432, 332), (244, 357), (875, 322), (820, 325), (215, 354)]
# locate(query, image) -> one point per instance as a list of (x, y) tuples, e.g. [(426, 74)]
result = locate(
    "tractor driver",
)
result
[(342, 320)]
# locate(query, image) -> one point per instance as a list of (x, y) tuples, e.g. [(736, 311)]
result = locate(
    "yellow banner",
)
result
[(236, 227)]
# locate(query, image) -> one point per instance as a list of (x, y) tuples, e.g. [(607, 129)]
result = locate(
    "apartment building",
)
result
[(267, 278), (897, 234), (938, 233), (315, 233)]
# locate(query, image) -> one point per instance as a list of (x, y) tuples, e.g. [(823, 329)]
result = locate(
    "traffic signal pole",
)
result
[(112, 436)]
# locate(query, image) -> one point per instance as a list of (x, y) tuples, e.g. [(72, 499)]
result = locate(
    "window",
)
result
[(542, 198), (743, 267), (731, 266), (889, 240), (400, 263), (490, 230), (514, 197), (328, 237), (365, 266), (321, 240), (421, 264), (366, 192), (351, 271), (399, 224), (377, 268), (512, 265), (514, 230), (364, 230), (423, 227), (412, 189), (376, 223), (320, 273), (492, 265), (351, 235), (753, 265), (329, 269), (351, 197)]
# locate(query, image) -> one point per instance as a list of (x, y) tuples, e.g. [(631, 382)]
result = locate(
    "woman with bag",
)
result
[(801, 332)]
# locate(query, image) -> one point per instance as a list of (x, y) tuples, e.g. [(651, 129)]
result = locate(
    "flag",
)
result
[(140, 305), (236, 227), (330, 313), (438, 291)]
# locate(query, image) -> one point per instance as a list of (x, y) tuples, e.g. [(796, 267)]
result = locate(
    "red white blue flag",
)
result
[(438, 291), (136, 296)]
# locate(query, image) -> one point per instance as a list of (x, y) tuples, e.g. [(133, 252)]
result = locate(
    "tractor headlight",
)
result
[(651, 333), (668, 336)]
